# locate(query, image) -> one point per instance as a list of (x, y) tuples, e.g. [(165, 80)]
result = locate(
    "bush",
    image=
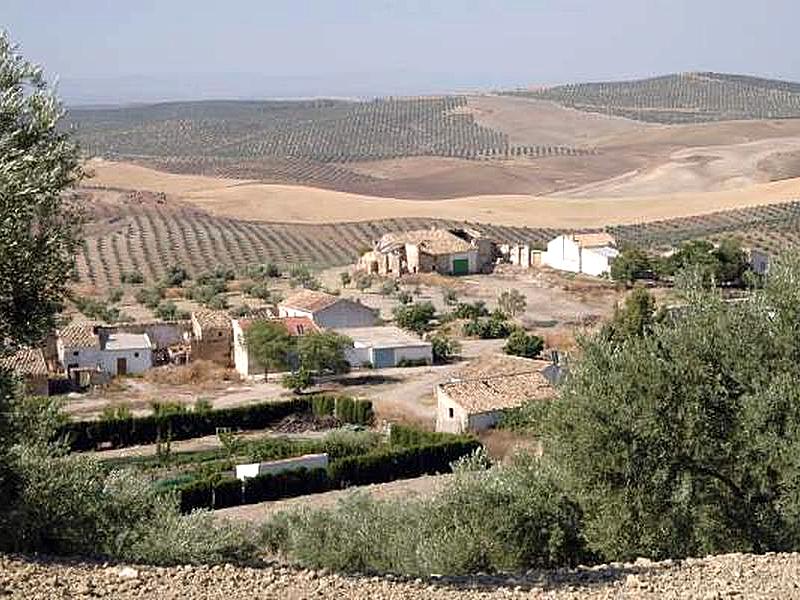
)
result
[(495, 327), (399, 462), (444, 348), (150, 297), (415, 317), (133, 277), (510, 518), (475, 310), (523, 344), (175, 276)]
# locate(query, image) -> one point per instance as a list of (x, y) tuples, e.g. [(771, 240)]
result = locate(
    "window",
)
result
[(75, 353), (219, 334), (300, 329), (135, 355), (452, 414)]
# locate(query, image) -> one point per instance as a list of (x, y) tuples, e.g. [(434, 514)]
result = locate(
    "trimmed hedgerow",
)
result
[(87, 435)]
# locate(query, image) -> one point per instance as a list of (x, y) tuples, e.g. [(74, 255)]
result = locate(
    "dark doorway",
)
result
[(122, 366)]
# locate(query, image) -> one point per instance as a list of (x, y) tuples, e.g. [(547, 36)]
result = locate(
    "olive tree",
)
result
[(681, 435), (39, 224)]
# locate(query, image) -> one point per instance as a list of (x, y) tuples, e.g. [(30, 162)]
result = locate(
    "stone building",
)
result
[(445, 251), (476, 398), (212, 337)]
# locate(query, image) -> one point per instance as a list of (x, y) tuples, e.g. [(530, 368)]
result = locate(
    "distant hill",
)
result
[(681, 98)]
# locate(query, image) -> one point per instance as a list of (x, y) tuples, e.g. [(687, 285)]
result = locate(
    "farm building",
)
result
[(243, 359), (113, 353), (383, 347), (30, 366), (522, 255), (588, 253), (212, 337), (445, 251), (327, 310), (476, 398)]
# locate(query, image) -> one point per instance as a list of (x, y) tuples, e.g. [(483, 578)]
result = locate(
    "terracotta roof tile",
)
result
[(78, 335), (310, 300), (212, 319), (433, 241), (296, 326), (26, 361), (498, 392), (594, 240)]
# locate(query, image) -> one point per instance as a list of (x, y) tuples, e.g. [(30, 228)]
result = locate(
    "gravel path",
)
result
[(730, 576)]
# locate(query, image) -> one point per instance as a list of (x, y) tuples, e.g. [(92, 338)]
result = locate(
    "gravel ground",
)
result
[(729, 576)]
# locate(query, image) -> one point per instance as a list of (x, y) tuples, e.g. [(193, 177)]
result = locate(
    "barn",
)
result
[(385, 347), (327, 310)]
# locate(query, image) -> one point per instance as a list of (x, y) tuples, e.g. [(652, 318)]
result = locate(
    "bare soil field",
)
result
[(530, 121), (299, 204)]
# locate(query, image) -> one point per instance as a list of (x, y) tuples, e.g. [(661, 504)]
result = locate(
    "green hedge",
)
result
[(402, 435), (399, 463), (118, 433), (227, 492), (374, 467)]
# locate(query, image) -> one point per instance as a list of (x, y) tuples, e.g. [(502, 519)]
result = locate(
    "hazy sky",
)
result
[(115, 51)]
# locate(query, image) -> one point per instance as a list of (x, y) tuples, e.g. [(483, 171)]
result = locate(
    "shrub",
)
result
[(415, 317), (175, 276), (512, 302), (475, 310), (495, 327), (133, 277), (444, 348), (150, 297), (297, 381), (509, 518), (524, 344), (404, 297)]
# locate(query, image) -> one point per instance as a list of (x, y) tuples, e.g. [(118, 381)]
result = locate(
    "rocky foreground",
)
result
[(729, 576)]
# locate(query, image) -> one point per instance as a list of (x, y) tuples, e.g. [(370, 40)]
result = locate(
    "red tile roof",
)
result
[(26, 361), (310, 300), (296, 326)]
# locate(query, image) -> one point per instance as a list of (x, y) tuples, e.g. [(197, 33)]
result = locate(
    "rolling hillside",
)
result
[(681, 98)]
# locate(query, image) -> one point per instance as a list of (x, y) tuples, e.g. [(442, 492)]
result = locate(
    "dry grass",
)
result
[(198, 373)]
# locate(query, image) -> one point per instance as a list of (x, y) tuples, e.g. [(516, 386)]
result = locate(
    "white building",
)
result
[(588, 253), (327, 310), (383, 347), (113, 353), (478, 396), (306, 461), (243, 359)]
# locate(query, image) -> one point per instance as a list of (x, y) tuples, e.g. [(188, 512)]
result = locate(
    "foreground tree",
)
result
[(683, 436), (270, 344), (39, 226)]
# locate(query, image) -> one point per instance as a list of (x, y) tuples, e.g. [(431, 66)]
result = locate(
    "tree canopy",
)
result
[(683, 436), (270, 344)]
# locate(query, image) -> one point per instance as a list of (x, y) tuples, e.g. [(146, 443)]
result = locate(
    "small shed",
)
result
[(212, 337), (327, 310), (478, 396), (385, 347)]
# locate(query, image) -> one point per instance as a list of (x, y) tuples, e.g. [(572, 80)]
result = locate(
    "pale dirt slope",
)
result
[(729, 576), (255, 201)]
